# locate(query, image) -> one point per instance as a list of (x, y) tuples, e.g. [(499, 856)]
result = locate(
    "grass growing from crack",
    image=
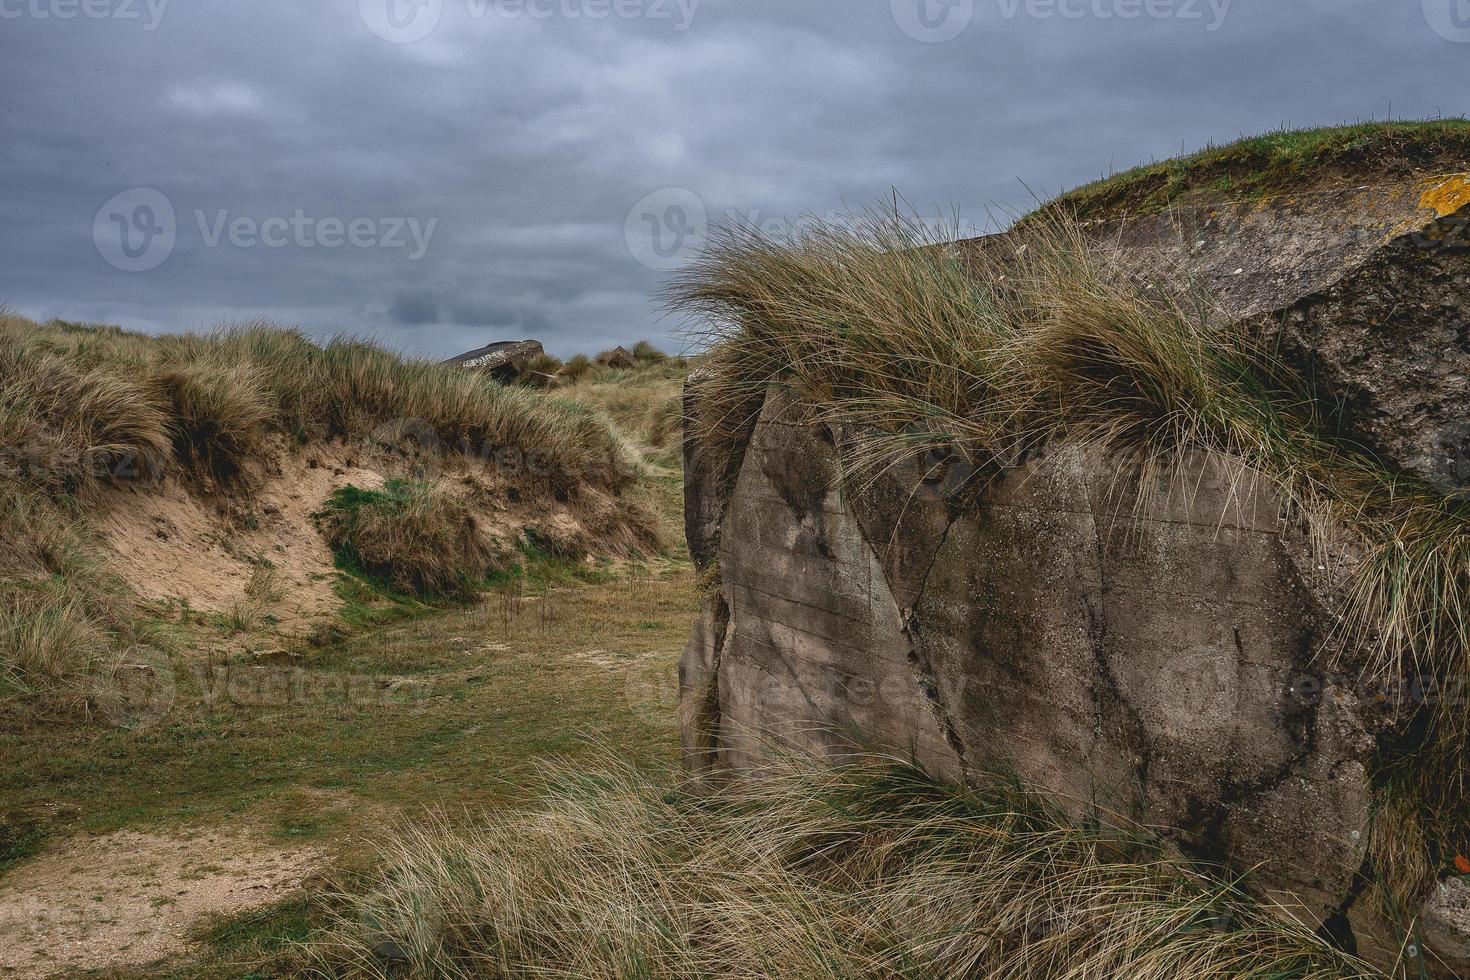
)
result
[(921, 349)]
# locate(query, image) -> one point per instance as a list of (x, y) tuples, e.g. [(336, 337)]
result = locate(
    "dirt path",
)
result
[(239, 794), (130, 898)]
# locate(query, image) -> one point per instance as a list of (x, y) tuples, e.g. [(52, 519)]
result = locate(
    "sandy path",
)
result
[(130, 898)]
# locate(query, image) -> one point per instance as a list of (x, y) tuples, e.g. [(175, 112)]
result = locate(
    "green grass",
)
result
[(496, 687), (1280, 162), (409, 537), (257, 945)]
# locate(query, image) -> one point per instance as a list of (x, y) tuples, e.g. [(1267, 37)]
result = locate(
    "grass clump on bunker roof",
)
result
[(923, 349), (1284, 161)]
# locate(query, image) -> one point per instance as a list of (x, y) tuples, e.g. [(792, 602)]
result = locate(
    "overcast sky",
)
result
[(442, 173)]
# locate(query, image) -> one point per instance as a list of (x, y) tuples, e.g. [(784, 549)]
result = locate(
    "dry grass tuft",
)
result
[(645, 353), (575, 368), (644, 405), (542, 371), (63, 617), (417, 537), (864, 871)]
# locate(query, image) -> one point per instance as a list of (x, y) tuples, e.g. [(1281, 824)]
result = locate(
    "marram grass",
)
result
[(922, 348), (76, 402), (85, 407), (868, 870)]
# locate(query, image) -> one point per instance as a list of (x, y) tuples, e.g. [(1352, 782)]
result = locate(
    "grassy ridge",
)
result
[(921, 354), (87, 403), (865, 871), (1283, 161)]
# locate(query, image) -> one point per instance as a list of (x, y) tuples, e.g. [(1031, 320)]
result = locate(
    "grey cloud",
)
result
[(414, 309), (530, 139)]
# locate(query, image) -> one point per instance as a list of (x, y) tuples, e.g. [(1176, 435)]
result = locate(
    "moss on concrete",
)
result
[(1284, 161)]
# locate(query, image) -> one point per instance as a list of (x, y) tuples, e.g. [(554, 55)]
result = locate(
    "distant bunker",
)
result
[(505, 360)]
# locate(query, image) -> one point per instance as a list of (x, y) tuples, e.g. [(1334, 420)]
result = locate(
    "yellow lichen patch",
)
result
[(1446, 195)]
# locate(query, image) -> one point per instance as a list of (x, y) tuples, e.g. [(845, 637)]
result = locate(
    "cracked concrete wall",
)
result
[(1137, 662), (1148, 662), (1155, 662), (814, 657)]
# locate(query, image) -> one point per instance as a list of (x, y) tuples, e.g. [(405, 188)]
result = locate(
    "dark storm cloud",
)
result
[(463, 170)]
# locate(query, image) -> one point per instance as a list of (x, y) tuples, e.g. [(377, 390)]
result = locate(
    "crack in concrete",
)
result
[(924, 673)]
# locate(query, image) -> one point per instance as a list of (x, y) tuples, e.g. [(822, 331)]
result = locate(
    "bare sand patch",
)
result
[(130, 898)]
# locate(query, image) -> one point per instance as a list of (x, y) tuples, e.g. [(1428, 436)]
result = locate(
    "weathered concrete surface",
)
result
[(1143, 661), (1157, 663), (815, 657), (1367, 290), (708, 480), (618, 357), (699, 673), (1446, 925)]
